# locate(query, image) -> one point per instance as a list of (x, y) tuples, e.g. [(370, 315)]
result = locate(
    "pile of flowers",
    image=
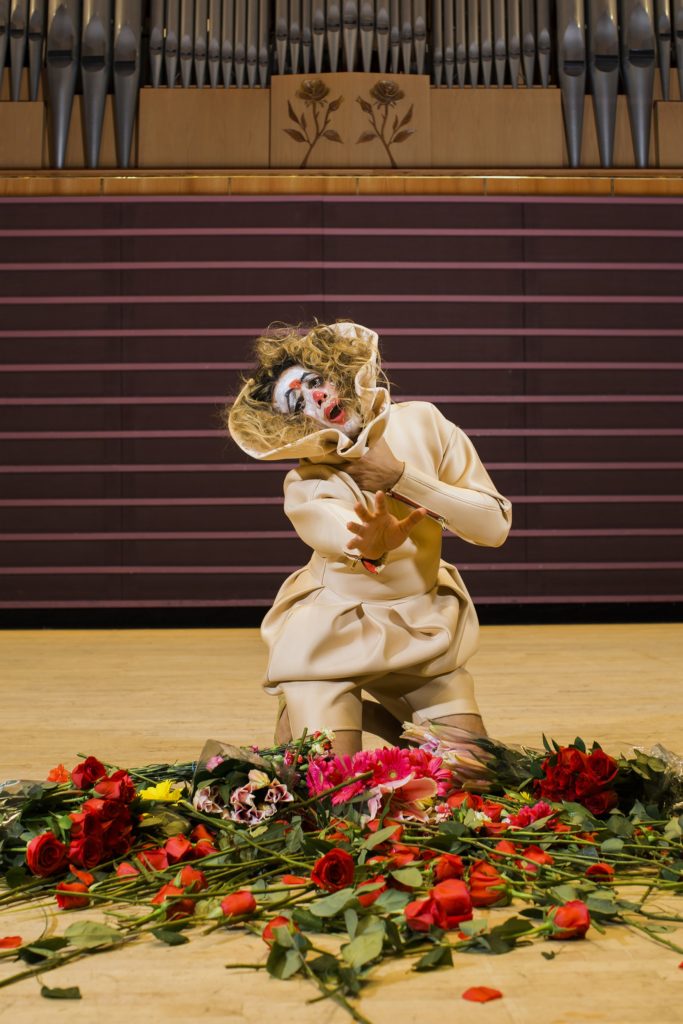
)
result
[(392, 852)]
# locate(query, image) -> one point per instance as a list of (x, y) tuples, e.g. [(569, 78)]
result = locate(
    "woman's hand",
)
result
[(378, 470), (379, 531)]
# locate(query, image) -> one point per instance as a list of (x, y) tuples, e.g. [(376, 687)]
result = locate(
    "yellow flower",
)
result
[(165, 792)]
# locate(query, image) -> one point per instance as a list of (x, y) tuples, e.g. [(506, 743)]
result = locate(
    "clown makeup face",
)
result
[(299, 391)]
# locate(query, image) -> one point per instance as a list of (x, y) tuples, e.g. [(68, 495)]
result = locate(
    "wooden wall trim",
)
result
[(241, 182)]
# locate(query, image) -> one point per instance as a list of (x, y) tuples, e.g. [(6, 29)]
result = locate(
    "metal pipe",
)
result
[(240, 42), (528, 41), (227, 37), (294, 35), (603, 65), (36, 41), (514, 30), (500, 48), (4, 35), (281, 34), (350, 33), (156, 41), (186, 46), (440, 13), (638, 69), (420, 34), (95, 73), (318, 30), (213, 50), (543, 40), (367, 32), (127, 61), (252, 42), (61, 60), (18, 34), (663, 30), (382, 24), (306, 35), (461, 41), (486, 40), (199, 45), (571, 67), (333, 21), (473, 51), (263, 47), (171, 39), (394, 34)]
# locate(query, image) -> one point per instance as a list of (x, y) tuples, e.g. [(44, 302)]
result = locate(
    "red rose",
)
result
[(87, 773), (203, 849), (46, 855), (11, 942), (421, 915), (84, 825), (178, 848), (200, 834), (176, 907), (492, 810), (402, 855), (118, 786), (469, 801), (334, 871), (366, 899), (238, 904), (585, 784), (72, 902), (126, 870), (504, 848), (537, 857), (487, 887), (448, 865), (192, 880), (602, 802), (157, 860), (600, 870), (602, 766), (454, 900), (268, 933), (571, 758), (87, 851), (570, 921), (101, 810)]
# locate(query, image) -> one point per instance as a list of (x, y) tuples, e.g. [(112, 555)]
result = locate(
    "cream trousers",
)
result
[(336, 704)]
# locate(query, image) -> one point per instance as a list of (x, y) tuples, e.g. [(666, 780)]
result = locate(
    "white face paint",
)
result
[(303, 392)]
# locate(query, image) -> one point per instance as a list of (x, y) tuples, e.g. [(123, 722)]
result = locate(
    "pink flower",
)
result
[(528, 815), (425, 765), (214, 762)]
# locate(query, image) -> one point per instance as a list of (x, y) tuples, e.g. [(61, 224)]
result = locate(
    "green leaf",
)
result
[(295, 838), (380, 836), (16, 876), (363, 948), (672, 829), (170, 937), (408, 876), (305, 919), (351, 921), (548, 956), (613, 845), (283, 963), (439, 956), (89, 934), (472, 928), (563, 893), (511, 929), (392, 901), (73, 992), (579, 744), (42, 949), (325, 965), (333, 904)]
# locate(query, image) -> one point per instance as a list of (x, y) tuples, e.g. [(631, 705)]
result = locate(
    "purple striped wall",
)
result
[(549, 329)]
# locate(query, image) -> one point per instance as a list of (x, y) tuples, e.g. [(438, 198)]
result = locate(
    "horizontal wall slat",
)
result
[(522, 320)]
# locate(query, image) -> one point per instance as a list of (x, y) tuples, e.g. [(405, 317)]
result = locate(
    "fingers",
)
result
[(411, 521), (357, 528), (362, 512), (380, 503)]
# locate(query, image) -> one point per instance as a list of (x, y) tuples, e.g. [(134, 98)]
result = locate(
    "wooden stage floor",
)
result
[(134, 697)]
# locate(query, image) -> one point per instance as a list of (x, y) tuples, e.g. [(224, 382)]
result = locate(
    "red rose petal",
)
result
[(12, 941), (481, 994)]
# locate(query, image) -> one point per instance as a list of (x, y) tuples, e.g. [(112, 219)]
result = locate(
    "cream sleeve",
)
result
[(319, 509), (462, 497)]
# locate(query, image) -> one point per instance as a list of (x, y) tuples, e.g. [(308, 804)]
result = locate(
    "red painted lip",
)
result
[(340, 416)]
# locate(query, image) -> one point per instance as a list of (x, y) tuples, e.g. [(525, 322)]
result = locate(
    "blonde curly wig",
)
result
[(336, 356)]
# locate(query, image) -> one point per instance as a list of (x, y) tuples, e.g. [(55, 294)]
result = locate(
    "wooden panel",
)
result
[(496, 128), (203, 127), (21, 132), (669, 132), (350, 120)]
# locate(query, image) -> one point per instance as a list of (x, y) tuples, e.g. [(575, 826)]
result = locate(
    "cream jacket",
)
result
[(333, 619)]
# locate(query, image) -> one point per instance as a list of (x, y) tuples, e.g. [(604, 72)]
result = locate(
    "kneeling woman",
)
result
[(376, 610)]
